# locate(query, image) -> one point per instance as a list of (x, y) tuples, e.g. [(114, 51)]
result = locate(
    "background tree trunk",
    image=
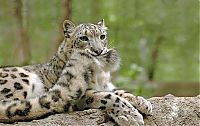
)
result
[(154, 56), (23, 53), (66, 15), (167, 111)]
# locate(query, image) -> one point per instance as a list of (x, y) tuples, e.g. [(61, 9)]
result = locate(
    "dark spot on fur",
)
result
[(25, 94), (25, 111), (108, 57), (33, 87), (104, 102), (16, 99), (88, 89), (96, 92), (115, 105), (14, 70), (86, 55), (13, 76), (127, 92), (88, 74), (3, 75), (108, 96), (102, 107), (112, 111), (117, 100), (3, 81), (65, 84), (18, 86), (78, 93), (56, 95), (5, 91), (5, 69), (68, 76), (69, 65), (114, 90), (135, 115), (86, 77), (4, 102), (26, 81), (73, 97), (26, 69), (89, 100), (23, 75), (9, 95)]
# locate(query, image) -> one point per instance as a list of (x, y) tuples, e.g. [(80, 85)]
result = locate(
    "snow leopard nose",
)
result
[(97, 51)]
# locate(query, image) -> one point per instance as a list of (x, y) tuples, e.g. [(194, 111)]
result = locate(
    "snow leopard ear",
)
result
[(102, 24), (69, 28)]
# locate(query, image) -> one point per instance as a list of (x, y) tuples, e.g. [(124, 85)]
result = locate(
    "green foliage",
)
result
[(132, 83)]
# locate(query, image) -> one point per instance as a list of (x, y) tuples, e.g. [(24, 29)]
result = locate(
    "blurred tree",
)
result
[(23, 53), (96, 8), (131, 24), (154, 56), (66, 15)]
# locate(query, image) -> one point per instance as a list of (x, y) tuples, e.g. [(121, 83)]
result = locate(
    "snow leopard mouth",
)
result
[(103, 52)]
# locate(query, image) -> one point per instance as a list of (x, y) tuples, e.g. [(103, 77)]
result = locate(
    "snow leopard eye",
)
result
[(83, 38), (102, 37)]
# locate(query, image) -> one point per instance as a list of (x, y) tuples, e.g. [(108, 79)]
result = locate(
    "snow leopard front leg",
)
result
[(118, 108), (144, 106), (111, 61), (140, 103)]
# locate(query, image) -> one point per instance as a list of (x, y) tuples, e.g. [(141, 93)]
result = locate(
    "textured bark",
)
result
[(167, 111), (23, 53)]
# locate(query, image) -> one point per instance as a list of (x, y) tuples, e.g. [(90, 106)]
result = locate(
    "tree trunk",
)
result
[(167, 111), (23, 53), (154, 56), (66, 15)]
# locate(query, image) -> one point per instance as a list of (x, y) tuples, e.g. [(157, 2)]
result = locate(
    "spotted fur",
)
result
[(76, 78)]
